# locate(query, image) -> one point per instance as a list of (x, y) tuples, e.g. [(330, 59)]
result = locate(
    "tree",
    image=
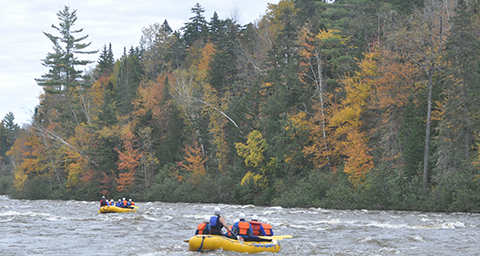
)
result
[(197, 28), (422, 40), (106, 61), (347, 120), (63, 78), (460, 111)]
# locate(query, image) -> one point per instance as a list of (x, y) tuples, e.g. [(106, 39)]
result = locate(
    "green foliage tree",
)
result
[(197, 28), (459, 123), (64, 80), (106, 61)]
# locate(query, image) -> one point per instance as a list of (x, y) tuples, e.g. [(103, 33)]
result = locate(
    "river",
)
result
[(51, 227)]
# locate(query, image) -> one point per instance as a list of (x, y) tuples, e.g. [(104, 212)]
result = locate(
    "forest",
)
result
[(350, 104)]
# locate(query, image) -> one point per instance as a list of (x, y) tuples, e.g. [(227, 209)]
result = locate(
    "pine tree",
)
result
[(459, 125), (64, 79), (197, 28), (63, 62), (106, 61), (283, 94)]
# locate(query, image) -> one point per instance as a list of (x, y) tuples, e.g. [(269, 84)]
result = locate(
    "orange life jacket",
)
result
[(125, 202), (132, 203), (230, 233), (255, 227), (243, 228), (201, 228), (268, 229)]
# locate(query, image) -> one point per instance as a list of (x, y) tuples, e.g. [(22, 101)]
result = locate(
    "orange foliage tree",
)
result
[(194, 163), (128, 160), (347, 120)]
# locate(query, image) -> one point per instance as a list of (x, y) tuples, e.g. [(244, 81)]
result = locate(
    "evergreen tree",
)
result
[(197, 28), (223, 67), (64, 79), (106, 61), (128, 75), (459, 126), (215, 27), (8, 133), (283, 93)]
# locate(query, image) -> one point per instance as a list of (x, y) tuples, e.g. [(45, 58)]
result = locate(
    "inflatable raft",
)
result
[(112, 208), (214, 242)]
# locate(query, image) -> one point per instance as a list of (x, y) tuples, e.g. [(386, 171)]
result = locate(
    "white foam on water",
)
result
[(149, 218)]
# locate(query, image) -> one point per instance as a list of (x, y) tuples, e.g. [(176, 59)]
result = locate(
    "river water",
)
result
[(50, 227)]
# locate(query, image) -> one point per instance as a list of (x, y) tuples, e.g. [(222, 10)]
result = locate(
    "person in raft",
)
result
[(229, 233), (119, 203), (217, 223), (257, 229), (103, 202), (111, 202), (130, 203), (242, 227), (267, 228), (203, 228)]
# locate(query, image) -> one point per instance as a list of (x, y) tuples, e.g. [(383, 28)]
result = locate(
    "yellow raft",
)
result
[(214, 242), (113, 208)]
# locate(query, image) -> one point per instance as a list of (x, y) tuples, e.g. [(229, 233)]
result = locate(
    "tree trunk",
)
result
[(427, 130)]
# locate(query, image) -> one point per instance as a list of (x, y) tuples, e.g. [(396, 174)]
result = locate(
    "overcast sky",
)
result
[(119, 22)]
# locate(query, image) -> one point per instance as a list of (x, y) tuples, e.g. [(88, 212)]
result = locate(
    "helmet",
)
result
[(207, 219), (264, 221), (123, 199), (217, 210), (111, 200), (241, 216), (129, 200), (255, 217), (236, 220), (103, 196), (119, 199)]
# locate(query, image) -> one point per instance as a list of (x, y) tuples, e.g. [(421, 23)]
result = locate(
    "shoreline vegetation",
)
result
[(355, 104)]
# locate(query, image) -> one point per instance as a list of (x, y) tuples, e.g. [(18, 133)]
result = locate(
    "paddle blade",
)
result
[(240, 239), (276, 237)]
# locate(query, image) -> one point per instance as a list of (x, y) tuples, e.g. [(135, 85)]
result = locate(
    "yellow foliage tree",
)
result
[(347, 123)]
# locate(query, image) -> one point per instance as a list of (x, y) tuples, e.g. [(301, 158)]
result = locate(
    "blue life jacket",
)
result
[(215, 225)]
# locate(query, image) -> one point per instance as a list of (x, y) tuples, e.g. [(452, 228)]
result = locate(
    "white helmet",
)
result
[(217, 210), (207, 219), (123, 199), (241, 216), (236, 220), (255, 217), (264, 221), (129, 200)]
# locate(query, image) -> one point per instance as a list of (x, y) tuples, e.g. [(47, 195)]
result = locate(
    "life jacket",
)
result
[(215, 225), (268, 229), (103, 202), (201, 229), (229, 232), (244, 228), (125, 202), (132, 203), (255, 227)]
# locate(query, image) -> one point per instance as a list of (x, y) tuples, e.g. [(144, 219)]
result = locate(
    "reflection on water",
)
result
[(47, 227)]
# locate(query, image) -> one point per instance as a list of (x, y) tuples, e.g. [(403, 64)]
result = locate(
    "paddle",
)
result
[(240, 239), (276, 237)]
